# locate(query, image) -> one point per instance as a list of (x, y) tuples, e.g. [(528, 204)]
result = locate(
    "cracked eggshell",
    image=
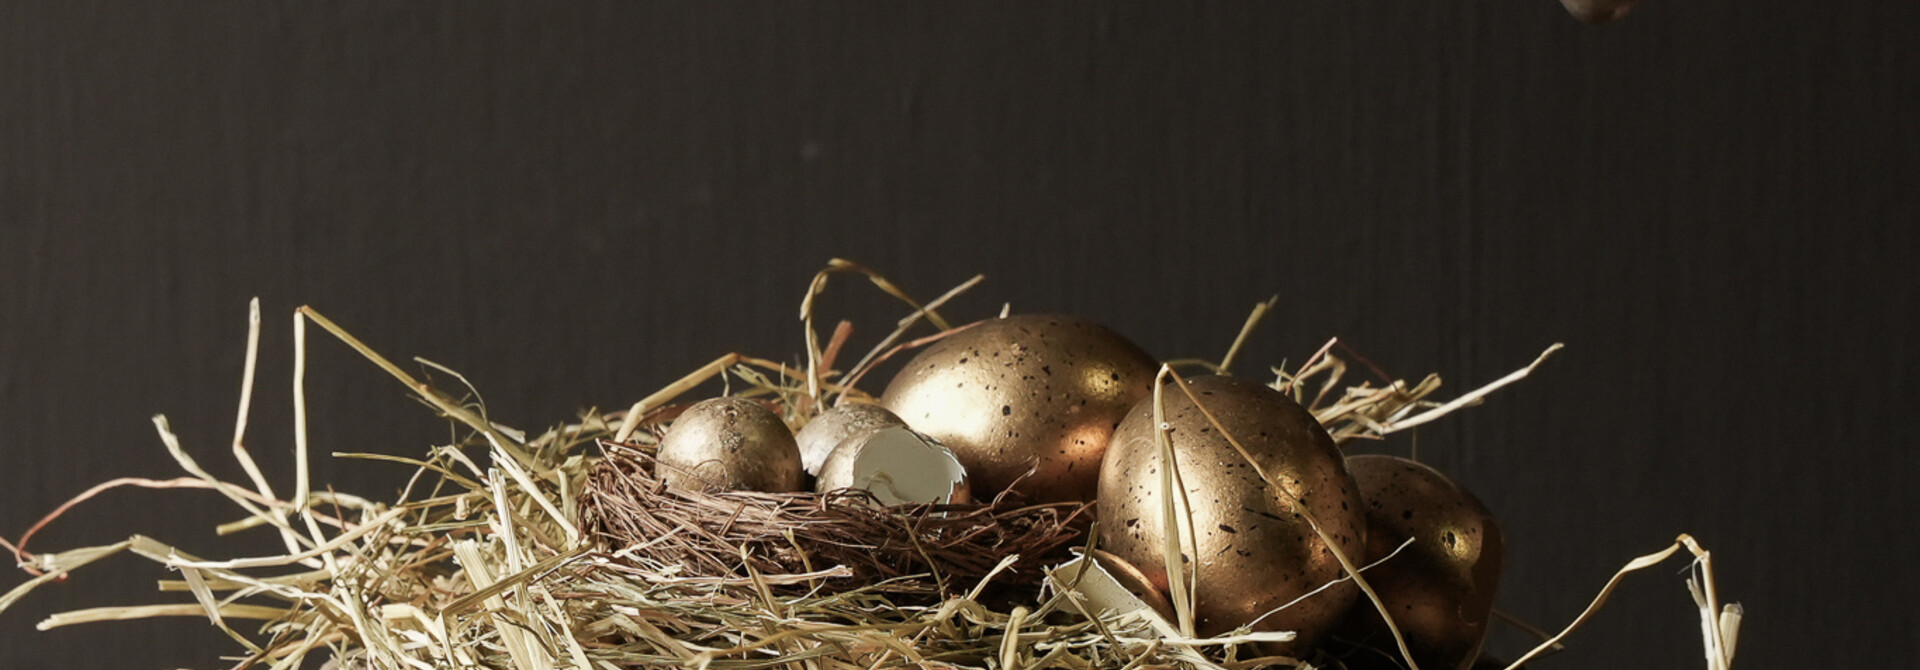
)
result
[(1251, 548), (898, 466), (1026, 392), (834, 426), (1135, 582), (730, 444), (1111, 584), (1441, 588)]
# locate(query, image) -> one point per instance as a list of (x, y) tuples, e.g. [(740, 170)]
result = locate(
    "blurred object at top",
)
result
[(1599, 12)]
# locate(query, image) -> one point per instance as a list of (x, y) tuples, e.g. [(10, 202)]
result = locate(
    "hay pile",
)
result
[(564, 551)]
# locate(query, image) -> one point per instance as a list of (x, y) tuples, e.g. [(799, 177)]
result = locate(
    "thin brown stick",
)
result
[(853, 379), (907, 322)]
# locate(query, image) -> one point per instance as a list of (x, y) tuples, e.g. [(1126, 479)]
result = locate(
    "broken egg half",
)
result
[(898, 466), (1107, 582)]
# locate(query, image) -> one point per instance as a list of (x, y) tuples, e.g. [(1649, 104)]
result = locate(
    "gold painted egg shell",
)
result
[(1025, 392), (1253, 549), (730, 444), (1441, 588)]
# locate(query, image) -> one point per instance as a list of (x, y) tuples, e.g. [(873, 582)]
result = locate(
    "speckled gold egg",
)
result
[(1024, 392), (845, 421), (1252, 545), (730, 444), (1440, 589)]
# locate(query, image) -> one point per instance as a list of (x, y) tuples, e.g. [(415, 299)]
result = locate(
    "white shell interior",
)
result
[(1102, 592), (899, 466)]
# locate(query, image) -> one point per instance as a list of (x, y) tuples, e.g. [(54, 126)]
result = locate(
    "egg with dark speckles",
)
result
[(1440, 589), (1026, 392), (1251, 548), (730, 444)]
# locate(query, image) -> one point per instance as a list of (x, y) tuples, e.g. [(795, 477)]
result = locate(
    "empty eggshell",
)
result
[(1135, 582), (1024, 393), (730, 444), (1109, 583), (1440, 589), (898, 466), (837, 425)]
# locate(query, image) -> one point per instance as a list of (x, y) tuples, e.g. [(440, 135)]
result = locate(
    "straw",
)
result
[(567, 551)]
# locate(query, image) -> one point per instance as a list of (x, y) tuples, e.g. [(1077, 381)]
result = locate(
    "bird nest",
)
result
[(564, 550), (912, 553)]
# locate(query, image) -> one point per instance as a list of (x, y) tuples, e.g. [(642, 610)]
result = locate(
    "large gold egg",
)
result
[(1440, 589), (730, 444), (1252, 549), (1029, 392)]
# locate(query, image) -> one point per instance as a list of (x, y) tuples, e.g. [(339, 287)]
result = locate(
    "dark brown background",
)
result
[(1712, 202)]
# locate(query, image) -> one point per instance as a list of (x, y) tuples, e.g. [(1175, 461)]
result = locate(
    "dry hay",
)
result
[(565, 552)]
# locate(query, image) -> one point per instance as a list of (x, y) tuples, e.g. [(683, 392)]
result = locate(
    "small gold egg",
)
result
[(730, 444)]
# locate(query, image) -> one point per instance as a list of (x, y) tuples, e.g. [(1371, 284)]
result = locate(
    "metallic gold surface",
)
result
[(845, 421), (1441, 587), (1254, 549), (730, 444), (1024, 392)]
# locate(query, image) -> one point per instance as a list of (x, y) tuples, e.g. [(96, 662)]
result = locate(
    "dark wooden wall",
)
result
[(1713, 203)]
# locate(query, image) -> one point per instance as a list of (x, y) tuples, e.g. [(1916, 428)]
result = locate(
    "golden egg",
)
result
[(1251, 548), (845, 421), (1030, 392), (730, 444), (1440, 589)]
